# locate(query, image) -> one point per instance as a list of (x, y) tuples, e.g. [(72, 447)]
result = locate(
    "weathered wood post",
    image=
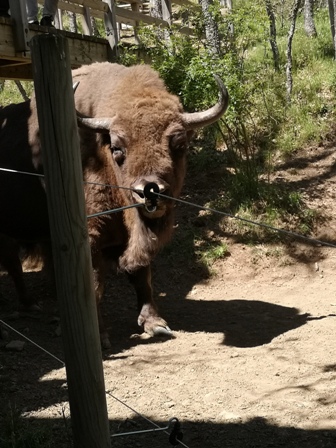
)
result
[(71, 251), (110, 21)]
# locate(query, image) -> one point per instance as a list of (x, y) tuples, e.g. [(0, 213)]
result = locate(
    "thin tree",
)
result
[(309, 24), (211, 28), (289, 77), (228, 5), (332, 12), (273, 41), (95, 30), (72, 22)]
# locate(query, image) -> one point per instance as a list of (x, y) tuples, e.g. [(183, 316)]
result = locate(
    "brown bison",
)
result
[(132, 132)]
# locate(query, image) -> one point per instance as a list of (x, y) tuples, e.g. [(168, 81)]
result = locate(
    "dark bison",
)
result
[(132, 132)]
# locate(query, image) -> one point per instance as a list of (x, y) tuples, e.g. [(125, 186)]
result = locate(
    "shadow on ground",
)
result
[(256, 433)]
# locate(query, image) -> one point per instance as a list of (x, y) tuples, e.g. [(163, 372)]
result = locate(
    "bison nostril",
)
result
[(140, 193)]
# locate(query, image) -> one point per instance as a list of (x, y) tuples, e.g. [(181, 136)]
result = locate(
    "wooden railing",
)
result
[(118, 14), (117, 20)]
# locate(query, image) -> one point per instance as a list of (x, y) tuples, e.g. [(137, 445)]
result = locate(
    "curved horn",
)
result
[(199, 119), (74, 86), (101, 125)]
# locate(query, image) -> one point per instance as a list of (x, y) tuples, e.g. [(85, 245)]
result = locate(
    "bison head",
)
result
[(148, 139)]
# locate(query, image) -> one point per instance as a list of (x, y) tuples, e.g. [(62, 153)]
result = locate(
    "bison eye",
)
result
[(178, 143), (118, 154)]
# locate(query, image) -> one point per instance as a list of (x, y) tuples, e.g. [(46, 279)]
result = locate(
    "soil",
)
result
[(253, 359)]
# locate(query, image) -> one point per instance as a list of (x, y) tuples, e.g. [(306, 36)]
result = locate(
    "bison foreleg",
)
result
[(149, 318), (10, 260)]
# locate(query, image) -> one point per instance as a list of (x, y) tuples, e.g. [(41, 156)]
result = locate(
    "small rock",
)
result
[(169, 404), (15, 346)]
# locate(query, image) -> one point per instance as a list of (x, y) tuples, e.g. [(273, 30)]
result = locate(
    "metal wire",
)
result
[(115, 210), (249, 221), (85, 182), (140, 415), (209, 209), (158, 427), (32, 342)]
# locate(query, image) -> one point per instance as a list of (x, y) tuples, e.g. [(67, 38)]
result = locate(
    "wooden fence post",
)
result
[(71, 251), (110, 22), (21, 31)]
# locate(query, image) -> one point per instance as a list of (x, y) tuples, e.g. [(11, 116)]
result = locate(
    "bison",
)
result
[(132, 132)]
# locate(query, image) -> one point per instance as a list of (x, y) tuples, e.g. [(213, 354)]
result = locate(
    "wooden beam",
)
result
[(83, 50), (20, 24), (139, 17), (188, 3), (110, 22), (70, 243), (22, 72)]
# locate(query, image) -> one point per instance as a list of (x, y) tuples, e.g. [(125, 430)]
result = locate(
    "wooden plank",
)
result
[(83, 50), (139, 17), (188, 3), (111, 28), (20, 28), (97, 5), (22, 72), (7, 44), (77, 9), (70, 242)]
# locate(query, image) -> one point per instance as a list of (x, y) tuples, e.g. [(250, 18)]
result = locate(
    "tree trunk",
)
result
[(332, 12), (229, 6), (156, 9), (211, 28), (273, 42), (95, 31), (72, 22), (309, 24), (289, 82)]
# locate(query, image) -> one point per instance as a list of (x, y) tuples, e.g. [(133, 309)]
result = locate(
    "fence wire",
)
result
[(200, 207), (155, 425)]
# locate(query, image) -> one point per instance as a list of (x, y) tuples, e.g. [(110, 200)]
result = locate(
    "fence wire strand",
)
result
[(106, 392), (200, 207)]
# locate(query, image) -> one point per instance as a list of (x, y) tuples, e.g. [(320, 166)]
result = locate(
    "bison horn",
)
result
[(101, 125), (199, 119), (74, 86)]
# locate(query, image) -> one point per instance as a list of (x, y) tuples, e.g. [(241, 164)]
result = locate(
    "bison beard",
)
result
[(132, 132)]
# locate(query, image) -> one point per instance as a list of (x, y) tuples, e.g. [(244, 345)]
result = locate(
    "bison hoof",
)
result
[(162, 331)]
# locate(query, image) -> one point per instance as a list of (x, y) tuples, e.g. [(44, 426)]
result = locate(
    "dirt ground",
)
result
[(253, 358)]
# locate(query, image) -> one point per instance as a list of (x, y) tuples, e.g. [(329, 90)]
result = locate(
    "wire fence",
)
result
[(296, 235), (172, 429), (309, 240)]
